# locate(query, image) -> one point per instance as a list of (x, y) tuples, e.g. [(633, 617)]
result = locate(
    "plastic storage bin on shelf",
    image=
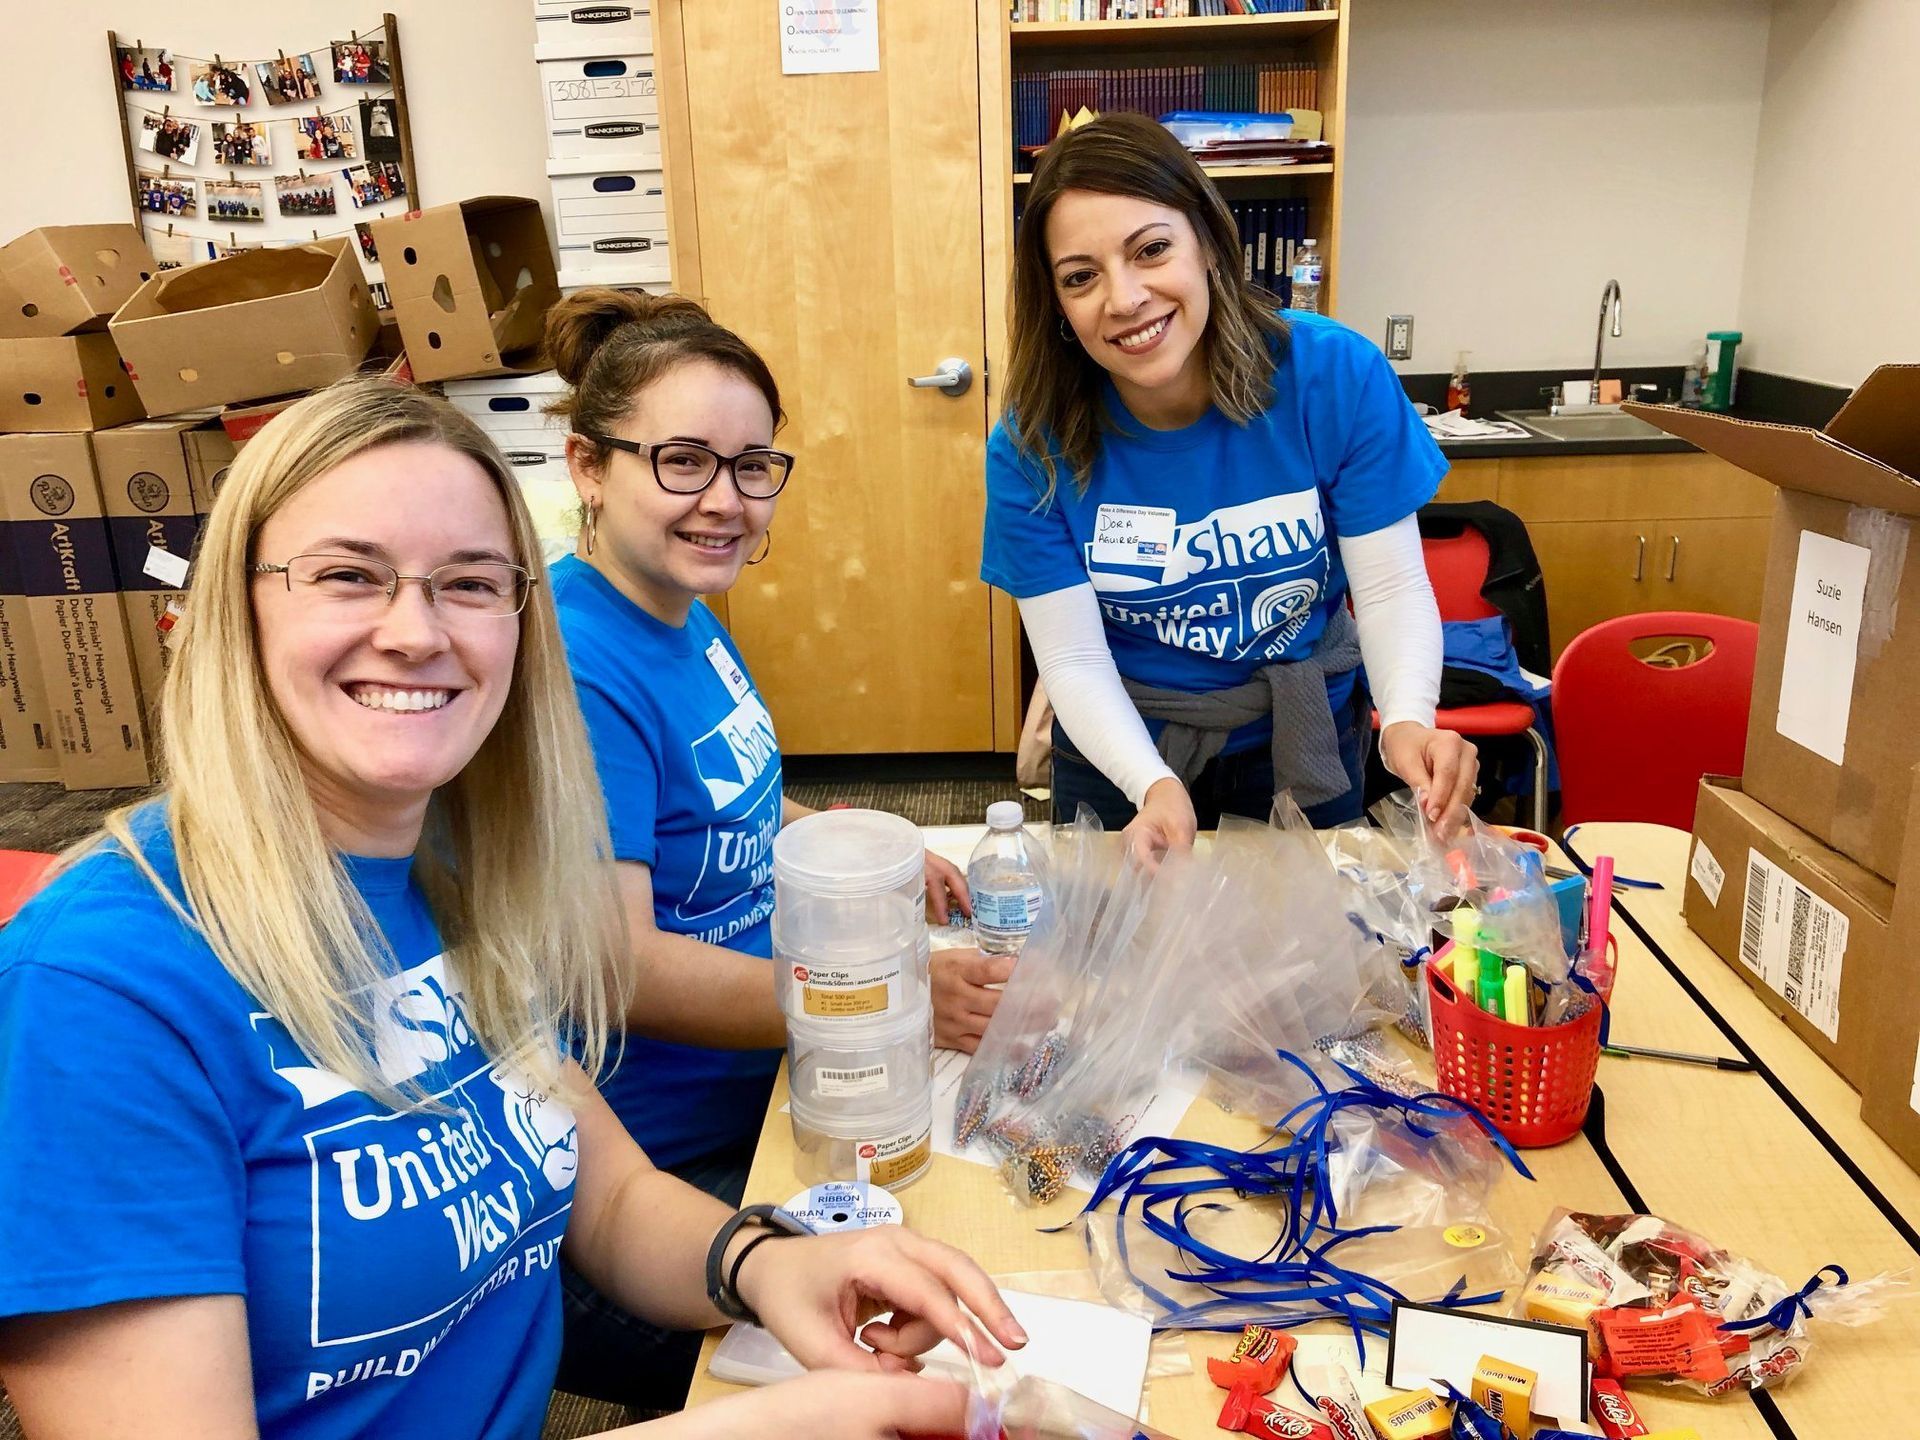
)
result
[(571, 27), (610, 219), (843, 1068), (849, 920), (599, 105), (891, 1148)]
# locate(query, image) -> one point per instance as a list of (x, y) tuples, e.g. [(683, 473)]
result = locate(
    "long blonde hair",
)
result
[(1053, 385), (514, 857)]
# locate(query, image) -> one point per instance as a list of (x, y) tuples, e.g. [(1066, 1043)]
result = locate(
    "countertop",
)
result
[(1514, 449)]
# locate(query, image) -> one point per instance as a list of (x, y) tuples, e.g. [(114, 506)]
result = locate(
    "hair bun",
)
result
[(583, 321)]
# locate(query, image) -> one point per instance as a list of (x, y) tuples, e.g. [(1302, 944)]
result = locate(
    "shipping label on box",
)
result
[(1794, 941), (59, 535), (569, 27), (27, 751), (62, 279), (598, 105)]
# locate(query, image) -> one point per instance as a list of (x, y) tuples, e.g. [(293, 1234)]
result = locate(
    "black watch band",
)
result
[(720, 1289)]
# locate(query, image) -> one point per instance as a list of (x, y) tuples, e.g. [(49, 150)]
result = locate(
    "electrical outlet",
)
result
[(1399, 337)]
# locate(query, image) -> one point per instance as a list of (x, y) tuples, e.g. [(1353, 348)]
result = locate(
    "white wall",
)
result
[(1832, 277), (1505, 158), (471, 90)]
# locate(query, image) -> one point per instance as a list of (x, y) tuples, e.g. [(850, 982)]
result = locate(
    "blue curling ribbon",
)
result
[(1166, 1184), (1620, 882), (1783, 1315)]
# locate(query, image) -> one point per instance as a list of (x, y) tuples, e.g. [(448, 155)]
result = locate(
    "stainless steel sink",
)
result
[(1609, 425)]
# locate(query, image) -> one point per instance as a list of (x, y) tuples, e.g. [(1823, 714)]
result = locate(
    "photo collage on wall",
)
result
[(229, 144)]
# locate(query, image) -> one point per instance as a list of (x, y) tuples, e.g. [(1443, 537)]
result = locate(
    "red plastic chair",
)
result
[(1457, 566), (21, 874), (1635, 737)]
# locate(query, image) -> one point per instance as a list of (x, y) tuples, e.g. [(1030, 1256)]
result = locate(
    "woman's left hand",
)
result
[(1442, 766), (818, 1293), (946, 890)]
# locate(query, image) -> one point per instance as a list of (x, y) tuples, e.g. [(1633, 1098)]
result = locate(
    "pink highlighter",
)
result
[(1597, 963)]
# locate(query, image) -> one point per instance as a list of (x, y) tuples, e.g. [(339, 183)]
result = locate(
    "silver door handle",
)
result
[(1640, 559), (1673, 556), (954, 377)]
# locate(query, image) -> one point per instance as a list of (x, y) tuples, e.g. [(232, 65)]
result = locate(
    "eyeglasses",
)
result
[(482, 587), (683, 467)]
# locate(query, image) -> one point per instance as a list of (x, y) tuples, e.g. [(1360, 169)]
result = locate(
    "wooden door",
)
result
[(838, 226)]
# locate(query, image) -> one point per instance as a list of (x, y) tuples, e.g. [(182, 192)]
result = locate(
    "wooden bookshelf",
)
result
[(1208, 30), (1241, 172)]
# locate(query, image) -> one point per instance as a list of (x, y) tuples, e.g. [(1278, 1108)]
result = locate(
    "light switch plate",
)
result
[(1399, 337)]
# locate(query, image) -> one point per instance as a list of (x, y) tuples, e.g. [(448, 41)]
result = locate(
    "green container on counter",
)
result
[(1716, 380)]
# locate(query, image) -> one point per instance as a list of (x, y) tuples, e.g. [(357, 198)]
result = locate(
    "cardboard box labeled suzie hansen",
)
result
[(471, 285), (62, 279), (54, 520), (260, 323), (65, 382), (1805, 927), (1830, 737)]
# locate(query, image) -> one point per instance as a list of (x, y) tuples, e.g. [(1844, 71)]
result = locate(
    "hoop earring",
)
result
[(1066, 330), (589, 532), (765, 550)]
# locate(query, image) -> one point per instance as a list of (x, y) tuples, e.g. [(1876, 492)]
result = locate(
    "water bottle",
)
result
[(1306, 277), (1004, 882)]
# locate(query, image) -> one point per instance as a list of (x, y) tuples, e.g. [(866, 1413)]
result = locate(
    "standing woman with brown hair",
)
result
[(1186, 487)]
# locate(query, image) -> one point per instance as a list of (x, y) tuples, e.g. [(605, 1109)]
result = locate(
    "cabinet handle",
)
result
[(1673, 557), (1640, 560)]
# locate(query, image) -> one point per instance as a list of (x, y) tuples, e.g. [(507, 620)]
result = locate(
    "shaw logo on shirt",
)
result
[(735, 753), (1241, 581)]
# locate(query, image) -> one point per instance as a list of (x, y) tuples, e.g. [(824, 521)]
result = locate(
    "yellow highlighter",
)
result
[(1516, 997)]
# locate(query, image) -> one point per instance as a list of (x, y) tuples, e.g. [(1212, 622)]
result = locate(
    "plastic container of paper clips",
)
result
[(891, 1148), (850, 940), (835, 1067)]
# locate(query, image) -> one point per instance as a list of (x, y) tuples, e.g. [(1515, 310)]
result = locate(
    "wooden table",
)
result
[(1774, 1165)]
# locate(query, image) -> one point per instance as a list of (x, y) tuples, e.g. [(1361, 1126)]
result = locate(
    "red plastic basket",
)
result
[(1533, 1082)]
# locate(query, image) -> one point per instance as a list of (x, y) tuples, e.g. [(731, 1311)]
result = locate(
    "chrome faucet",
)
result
[(1610, 295)]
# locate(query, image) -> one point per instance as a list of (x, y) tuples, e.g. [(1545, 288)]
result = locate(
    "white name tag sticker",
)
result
[(731, 675), (166, 567), (1139, 535)]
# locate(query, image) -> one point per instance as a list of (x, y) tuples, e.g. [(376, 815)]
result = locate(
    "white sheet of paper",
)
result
[(828, 37), (1429, 1346), (1084, 1345), (1163, 1113), (166, 567), (1823, 642)]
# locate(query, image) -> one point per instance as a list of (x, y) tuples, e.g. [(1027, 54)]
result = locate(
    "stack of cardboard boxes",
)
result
[(596, 69), (1805, 873)]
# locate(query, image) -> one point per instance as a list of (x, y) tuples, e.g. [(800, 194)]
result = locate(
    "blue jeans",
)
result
[(1238, 784), (609, 1354)]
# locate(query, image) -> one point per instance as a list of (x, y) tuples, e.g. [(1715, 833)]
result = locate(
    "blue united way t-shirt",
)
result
[(691, 773), (163, 1137), (1211, 548)]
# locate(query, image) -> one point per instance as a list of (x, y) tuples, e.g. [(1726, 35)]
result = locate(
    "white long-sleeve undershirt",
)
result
[(1393, 607)]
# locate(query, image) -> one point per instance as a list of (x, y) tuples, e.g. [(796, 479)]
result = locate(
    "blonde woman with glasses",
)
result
[(291, 1144)]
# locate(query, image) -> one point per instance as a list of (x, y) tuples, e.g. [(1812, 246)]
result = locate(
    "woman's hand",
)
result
[(818, 1293), (830, 1405), (1444, 768), (962, 1001), (1165, 822), (946, 890)]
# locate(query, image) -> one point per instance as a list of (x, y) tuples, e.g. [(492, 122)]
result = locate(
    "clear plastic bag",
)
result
[(1384, 1168), (1663, 1303)]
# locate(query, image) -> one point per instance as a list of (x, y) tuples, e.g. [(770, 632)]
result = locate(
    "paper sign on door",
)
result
[(828, 37), (1823, 642)]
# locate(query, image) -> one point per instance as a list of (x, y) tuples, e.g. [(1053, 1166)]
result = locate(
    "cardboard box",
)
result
[(210, 453), (146, 491), (569, 27), (51, 500), (611, 214), (1802, 924), (62, 279), (471, 285), (27, 750), (598, 105), (1830, 737), (66, 382), (1890, 1087), (263, 322)]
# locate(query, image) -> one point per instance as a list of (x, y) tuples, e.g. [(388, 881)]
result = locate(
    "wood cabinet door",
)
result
[(838, 223), (1627, 487), (1713, 565), (1594, 570)]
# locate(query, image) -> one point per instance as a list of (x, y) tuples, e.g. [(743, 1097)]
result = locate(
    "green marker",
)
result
[(1466, 957)]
